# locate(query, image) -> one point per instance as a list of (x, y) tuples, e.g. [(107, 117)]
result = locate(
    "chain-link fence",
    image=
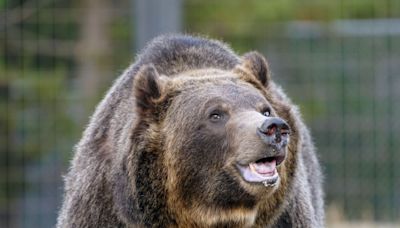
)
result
[(344, 76)]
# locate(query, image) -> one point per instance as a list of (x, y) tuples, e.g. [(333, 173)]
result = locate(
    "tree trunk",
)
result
[(92, 52)]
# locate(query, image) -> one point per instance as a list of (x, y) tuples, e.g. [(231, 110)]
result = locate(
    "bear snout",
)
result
[(274, 131)]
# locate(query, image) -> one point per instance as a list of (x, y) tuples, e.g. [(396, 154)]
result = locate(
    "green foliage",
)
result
[(36, 119), (248, 20)]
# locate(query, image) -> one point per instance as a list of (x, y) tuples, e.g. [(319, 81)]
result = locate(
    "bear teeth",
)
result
[(278, 159)]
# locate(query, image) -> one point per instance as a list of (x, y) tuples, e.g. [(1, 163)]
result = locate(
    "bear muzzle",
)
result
[(274, 132)]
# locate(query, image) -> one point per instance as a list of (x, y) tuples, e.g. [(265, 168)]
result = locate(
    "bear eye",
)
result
[(215, 116), (266, 112)]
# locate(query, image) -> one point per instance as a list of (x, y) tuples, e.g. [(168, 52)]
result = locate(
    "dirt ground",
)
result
[(335, 218), (361, 225)]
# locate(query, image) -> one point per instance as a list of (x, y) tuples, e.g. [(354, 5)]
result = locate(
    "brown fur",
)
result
[(150, 156)]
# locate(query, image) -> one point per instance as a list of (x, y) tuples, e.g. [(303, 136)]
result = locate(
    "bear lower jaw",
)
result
[(272, 182)]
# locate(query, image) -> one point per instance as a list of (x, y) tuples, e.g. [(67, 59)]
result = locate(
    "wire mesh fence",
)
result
[(348, 88), (342, 71)]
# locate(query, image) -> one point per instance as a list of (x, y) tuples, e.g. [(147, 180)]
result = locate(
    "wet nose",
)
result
[(274, 129)]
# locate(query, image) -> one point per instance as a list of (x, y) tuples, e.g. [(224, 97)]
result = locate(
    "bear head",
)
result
[(212, 145)]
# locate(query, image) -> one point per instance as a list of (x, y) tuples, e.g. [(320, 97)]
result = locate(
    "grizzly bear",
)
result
[(192, 135)]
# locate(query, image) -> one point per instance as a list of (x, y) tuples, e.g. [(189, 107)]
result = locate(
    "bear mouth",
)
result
[(262, 170)]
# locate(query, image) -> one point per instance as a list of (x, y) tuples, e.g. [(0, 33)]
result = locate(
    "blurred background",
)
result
[(338, 60)]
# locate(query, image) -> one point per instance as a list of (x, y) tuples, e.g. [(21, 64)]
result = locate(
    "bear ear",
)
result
[(255, 64), (147, 87)]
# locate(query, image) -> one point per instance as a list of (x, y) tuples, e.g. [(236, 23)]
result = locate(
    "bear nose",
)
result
[(275, 129)]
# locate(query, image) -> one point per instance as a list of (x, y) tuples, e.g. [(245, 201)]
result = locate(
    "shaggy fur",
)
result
[(150, 157)]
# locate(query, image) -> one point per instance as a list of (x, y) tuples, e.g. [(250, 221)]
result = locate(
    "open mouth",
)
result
[(262, 170)]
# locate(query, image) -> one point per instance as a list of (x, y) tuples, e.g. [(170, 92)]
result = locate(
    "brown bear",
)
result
[(192, 135)]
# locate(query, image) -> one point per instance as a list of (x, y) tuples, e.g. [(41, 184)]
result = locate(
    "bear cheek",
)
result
[(199, 160)]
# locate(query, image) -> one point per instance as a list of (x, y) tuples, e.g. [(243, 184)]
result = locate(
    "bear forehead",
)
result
[(225, 90), (204, 73)]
